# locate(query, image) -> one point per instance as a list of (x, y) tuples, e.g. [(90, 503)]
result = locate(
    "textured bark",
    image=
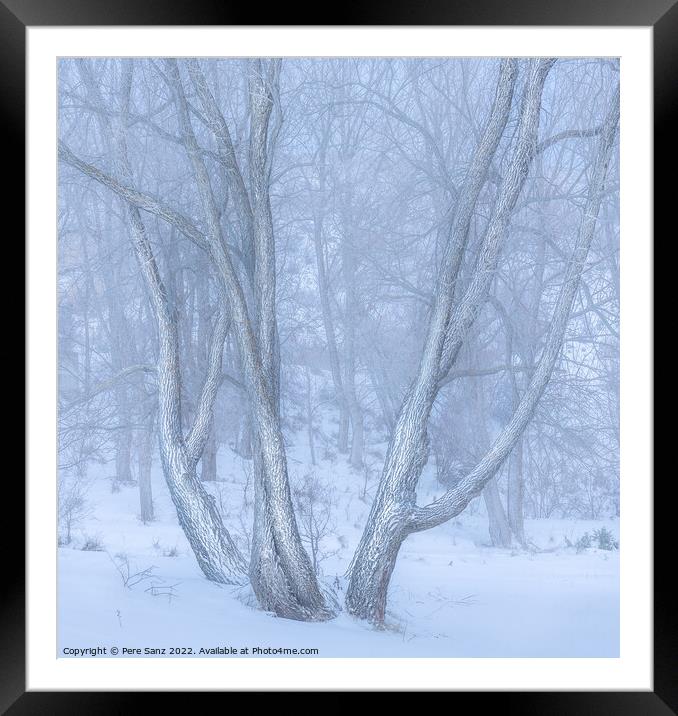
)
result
[(226, 152), (455, 500), (197, 438), (395, 501), (282, 575), (198, 516), (467, 308), (213, 547), (280, 570), (374, 560)]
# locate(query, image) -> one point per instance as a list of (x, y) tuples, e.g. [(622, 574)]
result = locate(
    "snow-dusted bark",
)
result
[(455, 500), (386, 216), (213, 547), (280, 571), (199, 434), (390, 518), (208, 461)]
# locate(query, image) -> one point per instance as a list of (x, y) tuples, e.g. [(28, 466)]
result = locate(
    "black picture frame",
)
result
[(662, 15)]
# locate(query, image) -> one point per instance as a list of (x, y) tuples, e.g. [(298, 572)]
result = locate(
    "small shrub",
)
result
[(601, 539), (315, 501), (92, 544), (584, 542), (130, 577), (73, 507), (604, 539)]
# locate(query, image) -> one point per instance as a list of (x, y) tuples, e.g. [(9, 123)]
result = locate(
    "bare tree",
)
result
[(345, 253), (280, 571), (395, 514), (213, 547)]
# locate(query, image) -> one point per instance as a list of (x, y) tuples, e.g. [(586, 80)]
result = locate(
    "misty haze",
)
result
[(339, 357)]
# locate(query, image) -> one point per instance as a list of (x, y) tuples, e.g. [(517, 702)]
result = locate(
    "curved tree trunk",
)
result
[(213, 547), (448, 327), (393, 497), (374, 561), (281, 572)]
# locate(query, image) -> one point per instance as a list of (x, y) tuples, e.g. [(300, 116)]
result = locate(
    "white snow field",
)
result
[(451, 595)]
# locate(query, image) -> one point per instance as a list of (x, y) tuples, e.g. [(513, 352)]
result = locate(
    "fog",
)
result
[(313, 310)]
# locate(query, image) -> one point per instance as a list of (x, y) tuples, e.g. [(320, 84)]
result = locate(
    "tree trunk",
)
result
[(500, 532), (145, 462), (309, 417), (516, 488), (208, 462), (123, 453), (324, 293), (328, 324), (357, 437), (243, 439), (350, 321), (217, 555), (373, 563), (344, 424), (380, 390), (280, 570), (394, 512)]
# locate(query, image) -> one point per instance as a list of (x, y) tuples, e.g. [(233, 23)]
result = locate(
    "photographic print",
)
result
[(338, 357)]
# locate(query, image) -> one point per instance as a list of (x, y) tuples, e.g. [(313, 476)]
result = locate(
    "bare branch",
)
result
[(456, 499), (142, 201), (109, 384), (197, 437)]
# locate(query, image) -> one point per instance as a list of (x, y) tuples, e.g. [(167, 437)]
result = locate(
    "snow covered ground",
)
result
[(451, 593)]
